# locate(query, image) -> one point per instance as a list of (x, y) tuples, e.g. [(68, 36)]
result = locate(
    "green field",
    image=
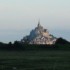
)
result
[(35, 60)]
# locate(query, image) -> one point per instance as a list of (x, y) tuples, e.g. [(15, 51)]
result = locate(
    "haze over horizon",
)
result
[(19, 17)]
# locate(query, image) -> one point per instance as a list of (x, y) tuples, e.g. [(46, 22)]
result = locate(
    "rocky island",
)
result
[(39, 35)]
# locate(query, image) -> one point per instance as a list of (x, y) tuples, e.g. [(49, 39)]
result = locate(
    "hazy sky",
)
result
[(19, 17)]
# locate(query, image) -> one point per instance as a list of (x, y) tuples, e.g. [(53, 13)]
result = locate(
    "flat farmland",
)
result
[(35, 60)]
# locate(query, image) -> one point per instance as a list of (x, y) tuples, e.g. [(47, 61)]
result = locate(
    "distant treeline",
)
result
[(61, 44)]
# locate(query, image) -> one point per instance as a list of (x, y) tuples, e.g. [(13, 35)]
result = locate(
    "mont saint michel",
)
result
[(39, 35)]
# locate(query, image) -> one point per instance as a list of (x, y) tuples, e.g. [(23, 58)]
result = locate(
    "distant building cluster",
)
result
[(39, 35)]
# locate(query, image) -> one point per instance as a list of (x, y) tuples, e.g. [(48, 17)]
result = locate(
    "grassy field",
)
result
[(35, 60)]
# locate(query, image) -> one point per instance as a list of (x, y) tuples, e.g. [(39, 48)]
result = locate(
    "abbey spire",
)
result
[(39, 25)]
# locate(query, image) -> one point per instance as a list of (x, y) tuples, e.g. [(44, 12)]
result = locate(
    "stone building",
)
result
[(39, 35)]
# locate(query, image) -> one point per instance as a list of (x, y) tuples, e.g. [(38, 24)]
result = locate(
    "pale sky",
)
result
[(19, 17)]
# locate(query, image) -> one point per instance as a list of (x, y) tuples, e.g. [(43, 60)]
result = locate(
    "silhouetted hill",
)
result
[(62, 41)]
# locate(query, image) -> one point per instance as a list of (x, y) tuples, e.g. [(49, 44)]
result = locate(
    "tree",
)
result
[(61, 41)]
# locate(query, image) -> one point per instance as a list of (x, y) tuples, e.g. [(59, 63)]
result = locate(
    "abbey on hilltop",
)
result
[(39, 35)]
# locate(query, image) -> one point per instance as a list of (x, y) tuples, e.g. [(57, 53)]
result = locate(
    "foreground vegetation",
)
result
[(18, 56), (35, 60)]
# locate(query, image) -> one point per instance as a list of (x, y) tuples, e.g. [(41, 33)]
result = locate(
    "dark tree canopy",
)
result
[(62, 41)]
